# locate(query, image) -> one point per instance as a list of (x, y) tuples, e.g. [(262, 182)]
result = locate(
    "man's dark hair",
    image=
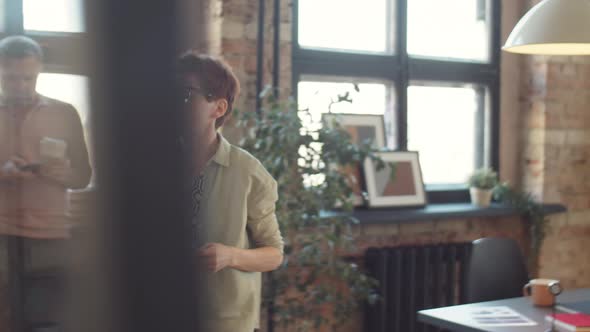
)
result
[(215, 76), (17, 47)]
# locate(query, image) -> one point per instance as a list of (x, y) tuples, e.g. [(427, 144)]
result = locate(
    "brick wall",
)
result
[(556, 159), (239, 32)]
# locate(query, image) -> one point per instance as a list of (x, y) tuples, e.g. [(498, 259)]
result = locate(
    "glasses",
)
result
[(191, 91)]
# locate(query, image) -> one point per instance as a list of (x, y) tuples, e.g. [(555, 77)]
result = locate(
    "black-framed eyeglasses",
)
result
[(190, 91)]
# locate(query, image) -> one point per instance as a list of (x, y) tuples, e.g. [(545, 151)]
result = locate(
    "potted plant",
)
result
[(481, 185), (319, 285), (533, 215)]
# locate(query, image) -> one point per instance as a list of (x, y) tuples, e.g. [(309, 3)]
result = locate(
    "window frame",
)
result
[(402, 70), (65, 52)]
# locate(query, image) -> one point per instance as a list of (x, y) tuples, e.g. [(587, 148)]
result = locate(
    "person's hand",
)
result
[(215, 256), (56, 169), (13, 169)]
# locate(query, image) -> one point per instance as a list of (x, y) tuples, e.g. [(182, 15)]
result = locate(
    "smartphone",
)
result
[(33, 168)]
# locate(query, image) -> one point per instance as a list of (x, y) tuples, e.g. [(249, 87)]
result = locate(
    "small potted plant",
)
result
[(481, 185)]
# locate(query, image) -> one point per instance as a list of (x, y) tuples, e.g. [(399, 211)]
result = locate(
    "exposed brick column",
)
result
[(201, 27), (556, 160), (239, 32)]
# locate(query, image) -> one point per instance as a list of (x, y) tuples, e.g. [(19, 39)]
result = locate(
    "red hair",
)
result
[(215, 76)]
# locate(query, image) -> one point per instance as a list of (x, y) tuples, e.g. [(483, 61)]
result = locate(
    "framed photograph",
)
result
[(361, 128), (398, 184)]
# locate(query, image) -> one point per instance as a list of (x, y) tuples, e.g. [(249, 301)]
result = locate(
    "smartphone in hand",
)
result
[(33, 168)]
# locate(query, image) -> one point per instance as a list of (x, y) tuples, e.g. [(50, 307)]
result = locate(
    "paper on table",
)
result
[(52, 148), (498, 316)]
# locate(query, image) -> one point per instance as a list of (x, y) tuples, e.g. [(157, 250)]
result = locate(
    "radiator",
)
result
[(413, 278)]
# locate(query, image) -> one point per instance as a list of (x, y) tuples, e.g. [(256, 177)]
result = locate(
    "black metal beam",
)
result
[(13, 17), (343, 64), (403, 83), (260, 54), (495, 96), (136, 126), (480, 128), (276, 56), (296, 68), (270, 325), (451, 71)]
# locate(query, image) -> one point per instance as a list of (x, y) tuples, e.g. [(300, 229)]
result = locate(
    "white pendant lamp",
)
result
[(553, 27)]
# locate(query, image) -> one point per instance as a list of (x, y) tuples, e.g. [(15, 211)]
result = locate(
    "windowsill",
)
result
[(438, 212)]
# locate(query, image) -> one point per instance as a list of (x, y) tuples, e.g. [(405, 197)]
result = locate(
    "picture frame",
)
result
[(402, 186), (360, 127)]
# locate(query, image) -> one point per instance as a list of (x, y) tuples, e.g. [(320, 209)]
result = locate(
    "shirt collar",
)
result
[(222, 155)]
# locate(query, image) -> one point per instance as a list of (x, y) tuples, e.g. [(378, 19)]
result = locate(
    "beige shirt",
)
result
[(36, 207), (237, 209)]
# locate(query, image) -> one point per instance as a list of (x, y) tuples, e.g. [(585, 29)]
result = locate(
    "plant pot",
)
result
[(480, 197)]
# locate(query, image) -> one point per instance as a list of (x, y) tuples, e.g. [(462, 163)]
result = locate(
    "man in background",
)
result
[(42, 154)]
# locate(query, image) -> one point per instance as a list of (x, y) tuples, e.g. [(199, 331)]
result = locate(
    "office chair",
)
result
[(495, 270)]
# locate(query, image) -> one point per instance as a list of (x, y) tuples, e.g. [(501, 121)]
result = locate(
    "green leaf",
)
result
[(313, 263)]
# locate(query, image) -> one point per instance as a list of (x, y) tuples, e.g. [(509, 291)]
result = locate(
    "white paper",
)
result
[(498, 316)]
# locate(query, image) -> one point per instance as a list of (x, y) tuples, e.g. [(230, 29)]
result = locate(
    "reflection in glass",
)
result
[(43, 154), (54, 15), (345, 25), (455, 29), (442, 127), (2, 15), (72, 89)]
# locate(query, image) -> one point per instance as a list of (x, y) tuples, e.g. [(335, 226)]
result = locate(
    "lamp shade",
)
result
[(553, 27)]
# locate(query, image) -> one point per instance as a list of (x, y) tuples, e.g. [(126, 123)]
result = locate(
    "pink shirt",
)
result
[(36, 207)]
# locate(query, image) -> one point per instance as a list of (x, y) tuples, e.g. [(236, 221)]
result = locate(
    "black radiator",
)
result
[(412, 278)]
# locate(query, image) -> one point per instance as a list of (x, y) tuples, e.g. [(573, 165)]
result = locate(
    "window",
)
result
[(430, 67), (317, 94), (331, 31), (66, 15), (58, 25), (455, 29), (72, 89), (444, 125)]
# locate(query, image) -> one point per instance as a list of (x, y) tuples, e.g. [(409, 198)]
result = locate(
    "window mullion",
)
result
[(14, 17), (331, 64), (496, 45), (451, 71), (494, 125), (403, 82), (496, 33), (479, 157)]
